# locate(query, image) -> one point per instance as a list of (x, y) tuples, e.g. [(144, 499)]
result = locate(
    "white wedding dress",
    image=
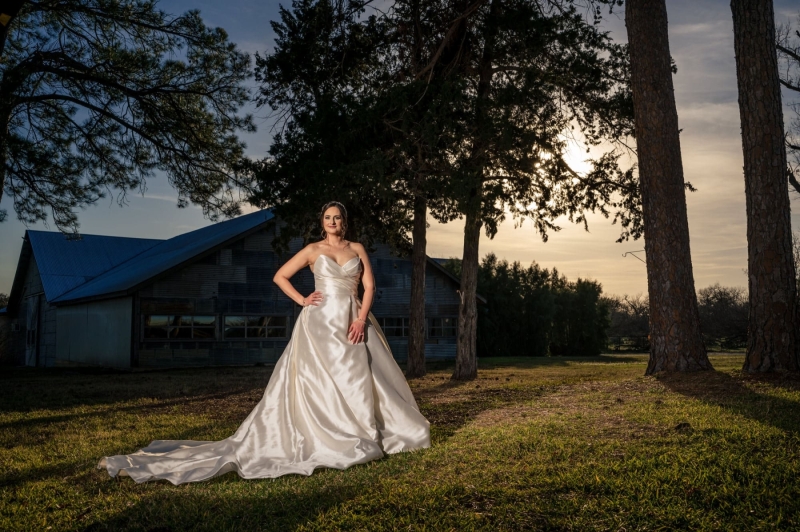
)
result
[(329, 403)]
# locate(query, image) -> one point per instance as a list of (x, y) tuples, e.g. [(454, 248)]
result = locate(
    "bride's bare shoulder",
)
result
[(358, 248), (312, 248), (310, 251)]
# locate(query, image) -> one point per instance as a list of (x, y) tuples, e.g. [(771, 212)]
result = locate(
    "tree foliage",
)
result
[(534, 311), (519, 311), (723, 315), (471, 105), (538, 79), (96, 96), (538, 76), (629, 321), (581, 317), (353, 123), (364, 108)]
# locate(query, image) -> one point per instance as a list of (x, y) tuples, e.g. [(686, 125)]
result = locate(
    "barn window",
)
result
[(441, 327), (394, 326), (255, 327), (165, 327)]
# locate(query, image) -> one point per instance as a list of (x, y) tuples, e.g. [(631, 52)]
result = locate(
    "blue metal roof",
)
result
[(65, 263), (164, 255)]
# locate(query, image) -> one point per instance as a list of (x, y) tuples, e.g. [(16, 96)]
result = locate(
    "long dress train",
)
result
[(329, 403)]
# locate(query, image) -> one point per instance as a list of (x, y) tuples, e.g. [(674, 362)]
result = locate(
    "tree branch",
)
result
[(790, 86), (793, 181), (788, 51), (99, 110), (449, 35)]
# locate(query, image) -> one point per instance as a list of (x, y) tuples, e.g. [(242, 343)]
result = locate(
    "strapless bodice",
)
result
[(332, 279)]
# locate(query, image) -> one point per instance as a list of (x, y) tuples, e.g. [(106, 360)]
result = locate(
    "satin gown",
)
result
[(329, 403)]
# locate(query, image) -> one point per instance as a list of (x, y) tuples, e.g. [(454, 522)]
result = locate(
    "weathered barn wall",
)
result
[(393, 298), (6, 356), (33, 340), (236, 281), (96, 333)]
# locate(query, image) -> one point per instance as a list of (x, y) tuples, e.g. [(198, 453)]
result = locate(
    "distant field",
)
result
[(533, 444)]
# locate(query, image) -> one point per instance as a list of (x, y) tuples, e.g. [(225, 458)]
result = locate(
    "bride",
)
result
[(336, 397)]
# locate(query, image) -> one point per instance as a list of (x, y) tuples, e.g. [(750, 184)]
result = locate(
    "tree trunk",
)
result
[(466, 346), (466, 350), (675, 340), (415, 366), (772, 322)]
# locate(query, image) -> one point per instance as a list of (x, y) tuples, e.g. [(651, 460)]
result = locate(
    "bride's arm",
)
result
[(292, 266), (356, 331), (367, 279)]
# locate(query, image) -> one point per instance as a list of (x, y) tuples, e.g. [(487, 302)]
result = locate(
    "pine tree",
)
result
[(475, 122), (772, 323), (676, 343), (533, 72), (99, 95)]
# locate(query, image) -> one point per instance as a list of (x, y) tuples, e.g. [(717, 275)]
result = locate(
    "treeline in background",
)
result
[(723, 319), (533, 311)]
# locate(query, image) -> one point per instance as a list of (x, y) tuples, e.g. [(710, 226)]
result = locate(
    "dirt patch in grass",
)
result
[(598, 406)]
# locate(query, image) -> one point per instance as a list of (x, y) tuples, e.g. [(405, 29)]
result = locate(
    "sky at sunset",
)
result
[(701, 41)]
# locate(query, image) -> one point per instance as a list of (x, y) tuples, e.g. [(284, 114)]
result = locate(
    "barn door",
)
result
[(32, 331)]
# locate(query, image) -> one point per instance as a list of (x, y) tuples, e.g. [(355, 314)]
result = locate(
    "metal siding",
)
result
[(32, 285), (33, 291), (239, 283), (97, 333), (393, 287), (6, 355)]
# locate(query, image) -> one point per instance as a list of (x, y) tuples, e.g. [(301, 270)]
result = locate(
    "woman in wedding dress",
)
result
[(336, 397)]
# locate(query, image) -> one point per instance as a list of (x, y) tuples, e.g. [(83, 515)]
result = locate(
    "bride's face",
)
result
[(332, 221)]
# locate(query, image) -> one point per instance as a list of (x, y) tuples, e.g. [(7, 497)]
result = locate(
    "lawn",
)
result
[(532, 444)]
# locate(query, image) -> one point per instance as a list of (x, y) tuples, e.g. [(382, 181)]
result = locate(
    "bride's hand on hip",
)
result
[(356, 332), (313, 299)]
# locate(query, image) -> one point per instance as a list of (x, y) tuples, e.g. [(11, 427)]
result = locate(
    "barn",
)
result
[(203, 298)]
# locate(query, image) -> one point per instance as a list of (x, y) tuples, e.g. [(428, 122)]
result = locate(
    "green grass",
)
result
[(533, 444)]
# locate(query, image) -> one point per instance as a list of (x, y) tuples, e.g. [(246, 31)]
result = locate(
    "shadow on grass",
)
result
[(450, 405), (468, 401), (732, 393), (217, 507), (24, 392), (156, 407), (60, 469)]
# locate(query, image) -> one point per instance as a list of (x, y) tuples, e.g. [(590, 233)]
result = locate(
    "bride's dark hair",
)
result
[(342, 211)]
